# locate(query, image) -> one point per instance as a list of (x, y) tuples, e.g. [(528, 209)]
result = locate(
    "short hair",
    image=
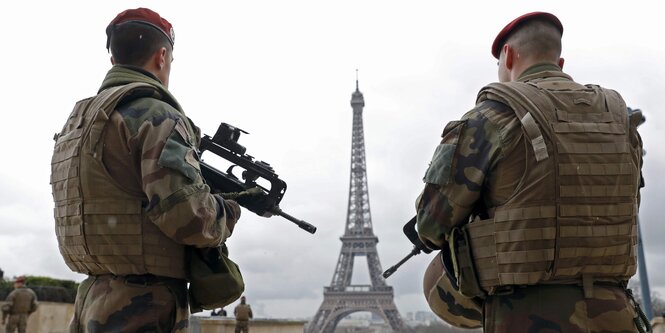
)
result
[(133, 43), (538, 38)]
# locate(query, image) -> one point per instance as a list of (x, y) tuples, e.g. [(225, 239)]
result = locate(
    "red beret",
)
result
[(508, 29), (141, 15), (20, 279)]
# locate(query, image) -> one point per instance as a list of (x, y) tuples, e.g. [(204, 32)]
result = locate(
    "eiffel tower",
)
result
[(342, 298)]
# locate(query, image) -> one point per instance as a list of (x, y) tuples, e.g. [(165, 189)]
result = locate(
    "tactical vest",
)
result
[(573, 215), (101, 228)]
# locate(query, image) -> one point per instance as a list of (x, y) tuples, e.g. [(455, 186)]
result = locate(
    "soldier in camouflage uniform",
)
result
[(532, 198), (128, 191), (243, 313), (21, 303)]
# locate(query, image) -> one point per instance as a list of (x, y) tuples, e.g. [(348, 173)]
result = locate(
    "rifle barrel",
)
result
[(394, 268), (302, 224)]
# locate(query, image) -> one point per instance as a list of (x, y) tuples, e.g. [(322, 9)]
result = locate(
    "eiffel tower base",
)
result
[(337, 305)]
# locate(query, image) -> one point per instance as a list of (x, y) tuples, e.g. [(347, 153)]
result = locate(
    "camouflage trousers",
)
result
[(15, 321), (560, 308), (242, 326), (130, 304)]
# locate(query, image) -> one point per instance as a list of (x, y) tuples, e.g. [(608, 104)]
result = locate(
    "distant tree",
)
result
[(46, 288), (5, 288), (657, 303)]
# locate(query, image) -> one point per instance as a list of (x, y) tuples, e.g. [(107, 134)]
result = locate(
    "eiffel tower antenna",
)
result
[(342, 298)]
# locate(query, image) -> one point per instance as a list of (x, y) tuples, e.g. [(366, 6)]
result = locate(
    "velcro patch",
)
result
[(440, 167), (178, 153)]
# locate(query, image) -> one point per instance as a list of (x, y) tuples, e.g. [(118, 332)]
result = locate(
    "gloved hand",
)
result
[(228, 208), (232, 211)]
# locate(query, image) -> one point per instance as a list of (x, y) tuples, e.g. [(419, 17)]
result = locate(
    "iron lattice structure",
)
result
[(342, 298)]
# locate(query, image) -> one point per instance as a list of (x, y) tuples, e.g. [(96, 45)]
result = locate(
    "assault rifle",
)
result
[(245, 190), (409, 230)]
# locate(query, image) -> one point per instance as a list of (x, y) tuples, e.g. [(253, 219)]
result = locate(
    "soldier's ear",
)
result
[(510, 54), (160, 58), (561, 63)]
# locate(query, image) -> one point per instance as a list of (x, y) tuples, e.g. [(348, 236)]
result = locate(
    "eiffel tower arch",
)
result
[(342, 298)]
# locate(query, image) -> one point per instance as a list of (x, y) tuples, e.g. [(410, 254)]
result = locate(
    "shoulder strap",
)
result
[(102, 106), (513, 95)]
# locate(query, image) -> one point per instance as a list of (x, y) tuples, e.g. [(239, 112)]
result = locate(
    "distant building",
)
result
[(425, 316)]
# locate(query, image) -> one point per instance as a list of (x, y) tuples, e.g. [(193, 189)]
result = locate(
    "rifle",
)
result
[(409, 230), (245, 190)]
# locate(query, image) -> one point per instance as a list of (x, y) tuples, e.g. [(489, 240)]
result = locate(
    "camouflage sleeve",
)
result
[(180, 203), (35, 303), (10, 298), (453, 181)]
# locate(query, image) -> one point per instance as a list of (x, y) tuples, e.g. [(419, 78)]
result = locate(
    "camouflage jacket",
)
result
[(243, 312), (22, 300), (150, 147)]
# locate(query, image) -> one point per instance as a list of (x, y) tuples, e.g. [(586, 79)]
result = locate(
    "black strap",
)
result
[(641, 321)]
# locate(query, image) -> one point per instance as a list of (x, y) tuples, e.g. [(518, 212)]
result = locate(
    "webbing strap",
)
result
[(583, 191), (597, 230), (593, 148), (534, 135), (480, 252), (617, 270), (623, 209), (486, 228), (64, 153), (65, 190), (519, 257), (113, 207), (596, 169), (520, 278), (601, 117), (68, 210), (525, 235), (108, 254), (527, 213), (113, 229), (72, 134), (587, 285), (607, 251), (73, 249), (68, 230), (64, 172), (589, 128)]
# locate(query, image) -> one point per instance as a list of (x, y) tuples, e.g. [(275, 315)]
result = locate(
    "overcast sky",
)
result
[(284, 71)]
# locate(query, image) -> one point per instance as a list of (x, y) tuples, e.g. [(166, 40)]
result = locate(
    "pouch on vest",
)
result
[(214, 280), (465, 272)]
